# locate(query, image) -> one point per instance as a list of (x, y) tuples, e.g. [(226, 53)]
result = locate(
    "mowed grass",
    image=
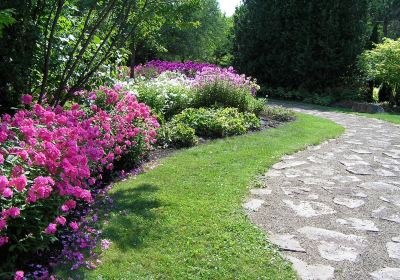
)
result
[(184, 219), (389, 117)]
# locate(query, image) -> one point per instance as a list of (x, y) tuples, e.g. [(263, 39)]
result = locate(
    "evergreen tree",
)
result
[(299, 44)]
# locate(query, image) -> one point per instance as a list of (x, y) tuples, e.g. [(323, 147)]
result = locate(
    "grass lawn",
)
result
[(184, 219), (389, 117)]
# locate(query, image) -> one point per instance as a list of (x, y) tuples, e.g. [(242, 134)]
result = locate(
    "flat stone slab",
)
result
[(320, 234), (261, 192), (312, 272), (286, 165), (316, 181), (393, 249), (293, 191), (393, 154), (358, 224), (334, 245), (387, 214), (349, 163), (309, 209), (286, 242), (254, 204), (349, 202), (385, 173), (336, 252), (379, 186), (360, 170), (346, 179), (393, 199), (362, 152), (387, 273), (396, 239)]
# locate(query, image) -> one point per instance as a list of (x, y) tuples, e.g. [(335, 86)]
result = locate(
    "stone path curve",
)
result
[(334, 209)]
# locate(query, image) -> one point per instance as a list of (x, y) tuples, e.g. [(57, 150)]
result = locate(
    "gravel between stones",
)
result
[(334, 209)]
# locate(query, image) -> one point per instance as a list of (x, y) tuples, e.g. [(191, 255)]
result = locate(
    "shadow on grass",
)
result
[(134, 216)]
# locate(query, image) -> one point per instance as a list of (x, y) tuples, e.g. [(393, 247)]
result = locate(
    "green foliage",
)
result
[(223, 94), (322, 97), (6, 19), (299, 44), (217, 122), (278, 113), (383, 64), (177, 135)]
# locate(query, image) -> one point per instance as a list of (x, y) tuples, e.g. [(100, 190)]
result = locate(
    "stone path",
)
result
[(334, 209)]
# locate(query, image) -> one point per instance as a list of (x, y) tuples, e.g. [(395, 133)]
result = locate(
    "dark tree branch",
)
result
[(60, 5)]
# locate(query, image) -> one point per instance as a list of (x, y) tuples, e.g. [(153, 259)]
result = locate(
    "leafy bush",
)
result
[(178, 135), (167, 95), (278, 113), (221, 87), (217, 122), (52, 159), (382, 64)]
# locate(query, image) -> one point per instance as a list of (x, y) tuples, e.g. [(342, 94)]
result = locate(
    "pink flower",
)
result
[(19, 275), (26, 99), (3, 240), (13, 212), (1, 159), (19, 183), (74, 226), (69, 204), (3, 183), (51, 229), (3, 224), (61, 220), (7, 193), (105, 244)]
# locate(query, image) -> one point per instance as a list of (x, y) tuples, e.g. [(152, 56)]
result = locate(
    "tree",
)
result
[(296, 44), (57, 47)]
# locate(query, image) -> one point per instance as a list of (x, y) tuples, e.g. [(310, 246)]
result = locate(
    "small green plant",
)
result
[(278, 113), (218, 122), (177, 135)]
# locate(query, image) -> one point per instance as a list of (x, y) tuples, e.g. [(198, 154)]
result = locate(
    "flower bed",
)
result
[(52, 162)]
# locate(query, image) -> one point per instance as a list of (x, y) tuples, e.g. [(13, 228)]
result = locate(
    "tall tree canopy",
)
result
[(299, 44)]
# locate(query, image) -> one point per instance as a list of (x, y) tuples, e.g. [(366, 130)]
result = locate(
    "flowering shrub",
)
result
[(168, 94), (51, 160), (217, 87), (188, 68)]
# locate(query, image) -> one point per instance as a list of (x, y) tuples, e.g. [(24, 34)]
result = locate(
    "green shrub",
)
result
[(278, 113), (217, 122), (220, 94), (177, 135)]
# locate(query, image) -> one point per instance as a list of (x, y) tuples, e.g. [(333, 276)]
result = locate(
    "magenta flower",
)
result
[(3, 240), (51, 229), (26, 99), (74, 226), (7, 193), (3, 224), (61, 220), (19, 183), (13, 212), (19, 275)]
